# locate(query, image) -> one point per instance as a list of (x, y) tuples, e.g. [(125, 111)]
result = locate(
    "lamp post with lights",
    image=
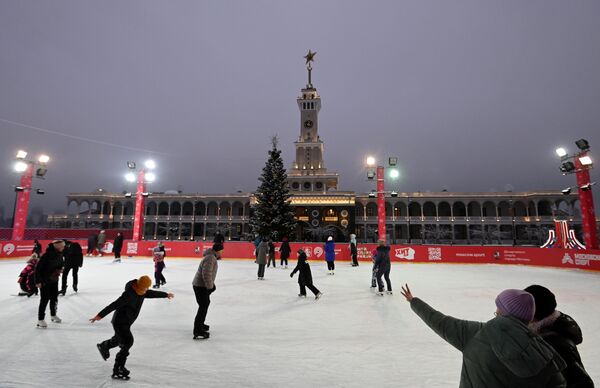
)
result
[(379, 174), (144, 175), (26, 168), (580, 165)]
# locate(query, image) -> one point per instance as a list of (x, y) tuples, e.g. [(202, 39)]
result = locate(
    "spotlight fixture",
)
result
[(130, 177), (20, 166), (392, 161), (582, 144), (587, 186), (370, 175), (561, 152), (19, 188), (44, 159), (40, 172), (145, 195), (566, 191), (394, 193), (372, 194), (370, 161), (585, 160), (394, 173), (40, 191), (149, 164), (150, 177), (567, 167), (21, 154), (131, 165), (128, 195)]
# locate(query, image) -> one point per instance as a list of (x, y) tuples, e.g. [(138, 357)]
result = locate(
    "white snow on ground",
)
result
[(263, 335)]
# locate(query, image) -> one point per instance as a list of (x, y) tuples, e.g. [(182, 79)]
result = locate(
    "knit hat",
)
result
[(142, 284), (329, 238), (217, 247), (517, 303), (545, 302)]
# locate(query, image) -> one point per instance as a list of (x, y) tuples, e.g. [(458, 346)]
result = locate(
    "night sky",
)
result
[(469, 95)]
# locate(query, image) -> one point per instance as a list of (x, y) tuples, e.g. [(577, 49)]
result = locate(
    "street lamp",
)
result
[(379, 173), (580, 164), (26, 168), (144, 176)]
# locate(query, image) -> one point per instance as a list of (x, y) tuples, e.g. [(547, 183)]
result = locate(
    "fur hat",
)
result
[(517, 303), (142, 284), (545, 302)]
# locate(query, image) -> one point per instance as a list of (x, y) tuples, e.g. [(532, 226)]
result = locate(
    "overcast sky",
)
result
[(471, 95)]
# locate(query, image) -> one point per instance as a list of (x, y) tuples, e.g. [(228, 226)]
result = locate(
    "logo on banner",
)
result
[(318, 251), (435, 254), (108, 247), (405, 253), (567, 259), (8, 249), (132, 248)]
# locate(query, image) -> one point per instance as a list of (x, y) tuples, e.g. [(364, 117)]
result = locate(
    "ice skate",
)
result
[(116, 260), (320, 294), (55, 319), (380, 293), (202, 335), (163, 282), (62, 292), (301, 295), (103, 351), (389, 292), (156, 286), (42, 324), (120, 372)]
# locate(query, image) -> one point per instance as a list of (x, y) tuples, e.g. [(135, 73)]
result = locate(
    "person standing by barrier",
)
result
[(305, 277), (117, 247), (330, 255), (37, 248), (353, 250), (73, 261), (92, 242), (204, 285), (382, 267), (284, 251), (271, 253), (47, 272), (159, 255), (101, 242), (261, 257)]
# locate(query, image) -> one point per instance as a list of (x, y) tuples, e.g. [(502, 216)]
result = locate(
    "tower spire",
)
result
[(310, 57)]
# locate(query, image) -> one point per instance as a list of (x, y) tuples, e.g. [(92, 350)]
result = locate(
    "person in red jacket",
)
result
[(27, 277)]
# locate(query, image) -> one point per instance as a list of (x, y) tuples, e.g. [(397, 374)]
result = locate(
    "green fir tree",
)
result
[(273, 215)]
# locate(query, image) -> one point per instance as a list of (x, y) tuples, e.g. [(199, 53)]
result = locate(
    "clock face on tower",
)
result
[(308, 124)]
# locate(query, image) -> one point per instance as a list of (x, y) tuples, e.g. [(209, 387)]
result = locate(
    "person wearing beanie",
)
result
[(284, 251), (47, 272), (127, 308), (305, 277), (501, 352), (159, 255), (562, 333), (330, 255), (204, 285)]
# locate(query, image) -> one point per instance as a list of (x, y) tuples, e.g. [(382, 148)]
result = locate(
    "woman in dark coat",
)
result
[(305, 276), (284, 251), (383, 266), (37, 248), (118, 246)]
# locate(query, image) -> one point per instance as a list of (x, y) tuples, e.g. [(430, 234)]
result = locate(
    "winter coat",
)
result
[(37, 248), (305, 276), (563, 334), (92, 241), (101, 239), (118, 244), (49, 266), (502, 352), (207, 270), (285, 250), (159, 254), (27, 275), (353, 249), (330, 251), (73, 255), (127, 306), (271, 249), (261, 252), (382, 258)]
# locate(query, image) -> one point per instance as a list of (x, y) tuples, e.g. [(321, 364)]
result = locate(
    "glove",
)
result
[(291, 275)]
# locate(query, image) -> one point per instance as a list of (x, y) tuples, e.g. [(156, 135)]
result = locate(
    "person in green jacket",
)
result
[(502, 352)]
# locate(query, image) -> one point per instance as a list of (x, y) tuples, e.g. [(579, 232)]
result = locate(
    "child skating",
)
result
[(27, 277), (305, 276)]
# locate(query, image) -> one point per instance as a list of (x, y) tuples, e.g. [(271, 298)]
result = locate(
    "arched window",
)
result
[(544, 208), (151, 209), (520, 209), (128, 209), (371, 209), (429, 209), (414, 209), (474, 209), (188, 209), (175, 209), (504, 209), (163, 209), (400, 209), (200, 209), (444, 209), (489, 209), (212, 209), (106, 208), (459, 209), (359, 210)]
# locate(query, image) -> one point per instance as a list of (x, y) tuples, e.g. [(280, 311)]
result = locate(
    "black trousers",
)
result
[(271, 260), (158, 276), (117, 254), (284, 260), (203, 300), (261, 270), (374, 276), (48, 293), (65, 275), (354, 259), (90, 249), (310, 286), (386, 274), (123, 339), (331, 265)]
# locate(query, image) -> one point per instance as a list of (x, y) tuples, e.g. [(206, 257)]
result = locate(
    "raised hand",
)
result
[(170, 295), (406, 292), (96, 318)]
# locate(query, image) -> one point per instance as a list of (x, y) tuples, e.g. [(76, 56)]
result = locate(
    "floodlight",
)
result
[(19, 188), (372, 194), (43, 159), (567, 167), (394, 193), (128, 195), (145, 195), (150, 177), (150, 164), (392, 161), (561, 152), (394, 173), (566, 191), (370, 161), (130, 177), (370, 175), (20, 166), (585, 160), (40, 172), (587, 186), (582, 144), (131, 165), (40, 192), (21, 154)]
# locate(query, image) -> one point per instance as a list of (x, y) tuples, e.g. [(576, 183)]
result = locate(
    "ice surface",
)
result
[(263, 335)]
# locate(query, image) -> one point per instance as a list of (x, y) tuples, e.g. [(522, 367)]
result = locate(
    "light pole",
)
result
[(144, 175), (26, 168), (580, 164), (380, 176)]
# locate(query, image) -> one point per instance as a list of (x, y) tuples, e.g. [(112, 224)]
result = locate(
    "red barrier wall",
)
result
[(552, 257)]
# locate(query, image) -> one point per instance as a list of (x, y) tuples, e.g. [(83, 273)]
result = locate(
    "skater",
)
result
[(382, 267), (127, 308), (284, 251), (562, 333), (159, 264), (261, 257), (92, 242), (27, 277), (330, 255), (353, 250), (374, 269), (37, 248), (117, 247), (219, 238), (501, 352), (204, 285), (101, 242), (73, 261), (305, 276), (47, 272), (271, 254)]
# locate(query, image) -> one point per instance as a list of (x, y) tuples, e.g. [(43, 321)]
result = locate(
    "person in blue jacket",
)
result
[(330, 254)]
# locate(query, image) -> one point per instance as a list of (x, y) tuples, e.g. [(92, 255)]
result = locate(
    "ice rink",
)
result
[(263, 335)]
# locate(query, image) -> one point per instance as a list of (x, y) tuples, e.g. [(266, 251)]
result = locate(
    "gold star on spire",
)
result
[(310, 57)]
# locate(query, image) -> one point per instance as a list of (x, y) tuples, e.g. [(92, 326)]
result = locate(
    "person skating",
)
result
[(101, 242), (271, 254), (159, 264), (37, 248), (47, 272), (117, 247), (27, 277), (127, 308), (73, 255), (502, 352), (91, 244), (562, 333), (204, 285), (330, 255), (261, 257), (305, 276), (219, 238), (353, 250), (382, 267), (284, 251)]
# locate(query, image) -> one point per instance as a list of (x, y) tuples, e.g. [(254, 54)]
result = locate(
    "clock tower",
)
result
[(308, 172)]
